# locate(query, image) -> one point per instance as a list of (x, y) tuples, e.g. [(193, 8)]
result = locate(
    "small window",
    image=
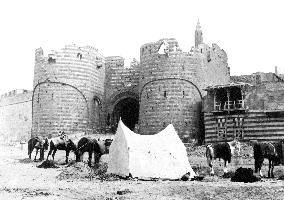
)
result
[(165, 94), (239, 133), (208, 57), (51, 60), (79, 55), (108, 119)]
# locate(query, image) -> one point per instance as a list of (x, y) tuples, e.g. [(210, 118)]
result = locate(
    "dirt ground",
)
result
[(20, 178)]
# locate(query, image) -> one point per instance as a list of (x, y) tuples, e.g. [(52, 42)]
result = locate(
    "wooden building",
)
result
[(244, 111)]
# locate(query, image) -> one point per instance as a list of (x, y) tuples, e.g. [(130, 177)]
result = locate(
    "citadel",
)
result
[(77, 89)]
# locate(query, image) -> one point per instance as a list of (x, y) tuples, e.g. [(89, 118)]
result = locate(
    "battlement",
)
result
[(69, 51), (15, 97), (14, 93), (153, 47)]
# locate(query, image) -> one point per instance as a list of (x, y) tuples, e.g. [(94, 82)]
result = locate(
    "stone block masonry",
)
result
[(121, 85), (15, 116), (68, 90), (171, 85)]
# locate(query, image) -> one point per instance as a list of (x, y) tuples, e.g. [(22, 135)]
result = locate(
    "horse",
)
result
[(37, 143), (222, 150), (61, 143), (271, 151), (98, 147)]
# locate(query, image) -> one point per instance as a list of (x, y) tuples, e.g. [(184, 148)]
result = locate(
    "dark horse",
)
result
[(60, 143), (98, 147), (38, 144), (271, 151)]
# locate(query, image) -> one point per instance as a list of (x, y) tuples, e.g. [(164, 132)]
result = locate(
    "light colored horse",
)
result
[(61, 143), (223, 151)]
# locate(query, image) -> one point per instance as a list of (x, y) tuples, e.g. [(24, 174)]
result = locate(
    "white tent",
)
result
[(162, 155)]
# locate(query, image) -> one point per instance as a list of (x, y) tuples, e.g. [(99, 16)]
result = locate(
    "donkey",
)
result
[(222, 150)]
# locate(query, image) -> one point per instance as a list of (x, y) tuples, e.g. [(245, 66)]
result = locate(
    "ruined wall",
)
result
[(266, 91), (68, 90), (16, 116), (214, 69), (168, 91), (266, 96)]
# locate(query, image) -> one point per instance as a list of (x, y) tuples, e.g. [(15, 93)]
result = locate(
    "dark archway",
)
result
[(128, 110)]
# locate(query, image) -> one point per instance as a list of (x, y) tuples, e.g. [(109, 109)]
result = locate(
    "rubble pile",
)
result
[(195, 150), (244, 175), (81, 170), (228, 175), (26, 160), (47, 164), (77, 170)]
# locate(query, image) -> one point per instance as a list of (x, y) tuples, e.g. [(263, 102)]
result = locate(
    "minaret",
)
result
[(198, 35)]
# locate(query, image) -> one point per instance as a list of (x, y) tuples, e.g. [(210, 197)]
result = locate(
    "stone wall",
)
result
[(258, 78), (121, 82), (171, 85), (68, 91), (119, 76), (266, 96), (16, 116), (214, 69), (168, 90)]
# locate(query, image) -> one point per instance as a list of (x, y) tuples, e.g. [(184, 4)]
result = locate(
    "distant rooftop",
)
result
[(232, 84)]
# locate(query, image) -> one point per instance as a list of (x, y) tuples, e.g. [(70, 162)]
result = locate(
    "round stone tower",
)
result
[(168, 88), (68, 91)]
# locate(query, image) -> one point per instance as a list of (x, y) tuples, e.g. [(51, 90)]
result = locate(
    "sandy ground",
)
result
[(21, 179)]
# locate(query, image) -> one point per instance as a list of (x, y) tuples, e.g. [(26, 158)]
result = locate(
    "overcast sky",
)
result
[(250, 31)]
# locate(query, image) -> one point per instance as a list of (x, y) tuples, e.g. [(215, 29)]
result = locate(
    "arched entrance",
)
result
[(128, 110)]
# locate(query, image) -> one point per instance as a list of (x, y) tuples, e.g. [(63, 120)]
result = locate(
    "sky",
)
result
[(250, 31)]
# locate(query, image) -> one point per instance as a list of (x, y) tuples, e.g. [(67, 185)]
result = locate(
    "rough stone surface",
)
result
[(171, 85), (76, 89), (15, 115), (68, 90)]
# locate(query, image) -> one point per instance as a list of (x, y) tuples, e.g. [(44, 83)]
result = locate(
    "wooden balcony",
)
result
[(229, 106)]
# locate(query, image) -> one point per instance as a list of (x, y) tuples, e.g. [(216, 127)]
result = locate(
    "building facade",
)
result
[(249, 110), (77, 89)]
